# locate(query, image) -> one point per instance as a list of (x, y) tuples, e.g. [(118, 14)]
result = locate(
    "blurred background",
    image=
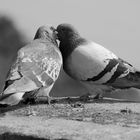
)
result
[(113, 24)]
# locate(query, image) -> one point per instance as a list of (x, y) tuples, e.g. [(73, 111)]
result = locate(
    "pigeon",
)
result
[(36, 68), (97, 68)]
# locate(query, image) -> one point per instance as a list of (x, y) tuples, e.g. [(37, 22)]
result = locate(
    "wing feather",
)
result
[(126, 76), (32, 71)]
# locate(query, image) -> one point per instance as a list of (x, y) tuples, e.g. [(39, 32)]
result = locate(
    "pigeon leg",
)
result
[(49, 100), (98, 97), (46, 91), (85, 97), (88, 96)]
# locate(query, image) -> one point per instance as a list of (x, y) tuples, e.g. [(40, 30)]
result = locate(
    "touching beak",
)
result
[(55, 32)]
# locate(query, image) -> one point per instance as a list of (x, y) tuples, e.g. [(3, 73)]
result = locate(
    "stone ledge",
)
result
[(97, 121), (39, 128)]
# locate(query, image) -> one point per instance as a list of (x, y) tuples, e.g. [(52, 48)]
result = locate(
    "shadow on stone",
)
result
[(12, 136)]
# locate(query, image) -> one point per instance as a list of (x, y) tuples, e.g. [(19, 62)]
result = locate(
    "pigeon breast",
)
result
[(88, 61)]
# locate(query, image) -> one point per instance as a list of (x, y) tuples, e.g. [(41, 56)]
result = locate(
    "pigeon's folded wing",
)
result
[(125, 79), (32, 72), (13, 74), (117, 73)]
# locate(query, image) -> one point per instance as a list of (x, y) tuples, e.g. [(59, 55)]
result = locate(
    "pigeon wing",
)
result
[(34, 71), (125, 76), (14, 73)]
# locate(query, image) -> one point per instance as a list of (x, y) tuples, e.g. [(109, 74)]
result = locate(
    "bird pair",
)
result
[(38, 65)]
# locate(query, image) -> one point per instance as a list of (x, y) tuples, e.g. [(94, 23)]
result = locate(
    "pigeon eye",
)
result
[(52, 28), (63, 29), (46, 33)]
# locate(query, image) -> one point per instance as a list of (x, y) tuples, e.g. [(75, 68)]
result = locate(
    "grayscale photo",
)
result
[(69, 70)]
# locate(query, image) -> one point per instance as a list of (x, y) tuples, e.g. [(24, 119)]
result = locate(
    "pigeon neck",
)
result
[(67, 46)]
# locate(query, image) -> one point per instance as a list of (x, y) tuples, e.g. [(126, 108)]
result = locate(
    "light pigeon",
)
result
[(37, 67), (96, 67)]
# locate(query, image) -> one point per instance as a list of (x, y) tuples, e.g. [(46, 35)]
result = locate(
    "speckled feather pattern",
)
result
[(37, 67), (37, 63)]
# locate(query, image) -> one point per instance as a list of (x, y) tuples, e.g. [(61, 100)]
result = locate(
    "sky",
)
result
[(111, 23)]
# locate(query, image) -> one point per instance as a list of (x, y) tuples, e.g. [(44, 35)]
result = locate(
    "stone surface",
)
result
[(98, 120)]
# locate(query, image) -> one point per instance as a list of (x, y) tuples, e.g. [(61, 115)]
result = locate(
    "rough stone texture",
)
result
[(72, 120)]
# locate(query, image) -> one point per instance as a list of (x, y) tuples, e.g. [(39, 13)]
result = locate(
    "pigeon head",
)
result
[(46, 32), (66, 31), (69, 39)]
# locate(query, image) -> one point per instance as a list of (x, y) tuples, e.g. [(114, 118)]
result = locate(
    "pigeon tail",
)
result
[(11, 99), (132, 80)]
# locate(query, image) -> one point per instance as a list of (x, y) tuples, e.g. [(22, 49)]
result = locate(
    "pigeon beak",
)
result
[(56, 33)]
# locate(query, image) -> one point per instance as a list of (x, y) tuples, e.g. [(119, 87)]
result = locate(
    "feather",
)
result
[(37, 66), (96, 67)]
